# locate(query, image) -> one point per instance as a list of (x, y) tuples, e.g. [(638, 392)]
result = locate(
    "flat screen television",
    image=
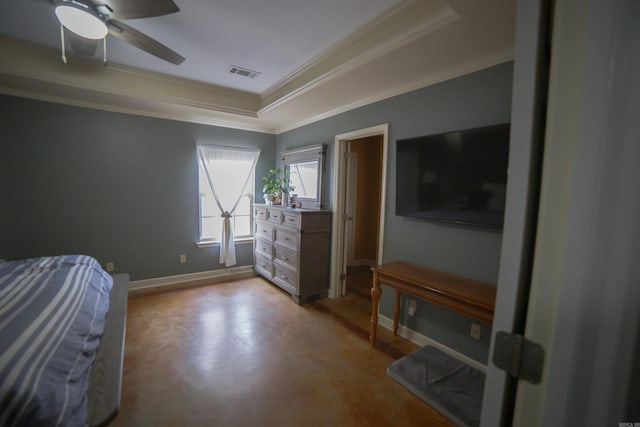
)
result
[(455, 177)]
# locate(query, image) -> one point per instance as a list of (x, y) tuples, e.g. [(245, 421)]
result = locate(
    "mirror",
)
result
[(303, 177), (305, 167)]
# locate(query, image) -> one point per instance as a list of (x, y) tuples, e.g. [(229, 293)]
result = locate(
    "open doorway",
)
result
[(362, 208), (359, 200)]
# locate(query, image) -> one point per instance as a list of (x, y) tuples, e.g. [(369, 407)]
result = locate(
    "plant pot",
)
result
[(268, 199)]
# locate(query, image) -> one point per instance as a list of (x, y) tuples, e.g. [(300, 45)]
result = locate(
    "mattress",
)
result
[(52, 314), (450, 386)]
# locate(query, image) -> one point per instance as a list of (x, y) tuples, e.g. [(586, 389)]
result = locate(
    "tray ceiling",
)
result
[(313, 59)]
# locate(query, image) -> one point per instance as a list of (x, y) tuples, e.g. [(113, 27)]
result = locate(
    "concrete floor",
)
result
[(243, 354)]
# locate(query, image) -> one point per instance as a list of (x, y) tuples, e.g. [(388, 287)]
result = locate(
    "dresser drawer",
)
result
[(287, 238), (291, 220), (264, 265), (287, 256), (264, 231), (274, 216), (265, 247), (260, 213), (286, 275)]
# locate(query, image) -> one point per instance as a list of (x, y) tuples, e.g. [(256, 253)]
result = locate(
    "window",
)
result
[(226, 179), (211, 219)]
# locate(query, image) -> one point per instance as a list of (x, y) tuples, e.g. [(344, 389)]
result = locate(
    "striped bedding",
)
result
[(52, 314)]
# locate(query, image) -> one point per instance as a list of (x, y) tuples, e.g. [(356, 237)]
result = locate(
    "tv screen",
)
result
[(456, 177)]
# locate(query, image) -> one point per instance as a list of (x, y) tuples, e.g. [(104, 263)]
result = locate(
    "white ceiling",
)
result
[(315, 58)]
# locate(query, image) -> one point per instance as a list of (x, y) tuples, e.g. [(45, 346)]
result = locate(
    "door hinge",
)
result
[(343, 277), (519, 357)]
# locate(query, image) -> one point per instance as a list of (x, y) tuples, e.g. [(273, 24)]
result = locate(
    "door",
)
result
[(350, 208), (518, 238), (585, 293), (341, 215), (351, 205), (583, 306)]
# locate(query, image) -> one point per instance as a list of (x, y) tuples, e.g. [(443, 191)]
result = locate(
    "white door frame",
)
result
[(338, 266)]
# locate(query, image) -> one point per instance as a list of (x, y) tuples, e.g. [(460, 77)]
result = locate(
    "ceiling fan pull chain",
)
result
[(104, 51), (64, 57)]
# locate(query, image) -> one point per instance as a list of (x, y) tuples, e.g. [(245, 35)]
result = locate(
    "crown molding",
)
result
[(42, 64), (63, 94), (363, 34), (49, 92), (407, 21), (474, 65)]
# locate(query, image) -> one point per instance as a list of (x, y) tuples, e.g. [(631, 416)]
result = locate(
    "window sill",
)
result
[(210, 243)]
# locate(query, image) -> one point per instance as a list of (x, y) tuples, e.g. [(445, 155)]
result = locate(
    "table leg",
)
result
[(396, 313), (375, 299)]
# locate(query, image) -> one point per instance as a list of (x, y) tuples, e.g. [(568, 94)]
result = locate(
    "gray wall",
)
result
[(119, 187), (477, 99), (123, 188)]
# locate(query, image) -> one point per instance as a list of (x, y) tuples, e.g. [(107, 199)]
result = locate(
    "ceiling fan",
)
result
[(91, 20)]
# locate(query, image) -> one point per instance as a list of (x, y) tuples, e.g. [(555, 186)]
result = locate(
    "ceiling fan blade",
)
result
[(81, 45), (133, 9), (143, 42)]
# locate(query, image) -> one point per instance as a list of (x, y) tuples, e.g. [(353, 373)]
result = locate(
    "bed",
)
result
[(62, 323)]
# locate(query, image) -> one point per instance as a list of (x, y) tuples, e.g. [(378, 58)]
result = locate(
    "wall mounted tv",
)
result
[(455, 177)]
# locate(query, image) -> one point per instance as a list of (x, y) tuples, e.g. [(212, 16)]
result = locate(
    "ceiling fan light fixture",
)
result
[(81, 20)]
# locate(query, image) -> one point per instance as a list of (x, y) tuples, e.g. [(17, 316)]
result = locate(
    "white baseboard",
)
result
[(157, 282), (422, 340)]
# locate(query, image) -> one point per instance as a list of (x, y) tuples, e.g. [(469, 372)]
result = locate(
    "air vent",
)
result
[(243, 72)]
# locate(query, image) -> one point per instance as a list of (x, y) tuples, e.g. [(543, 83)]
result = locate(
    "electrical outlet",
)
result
[(183, 259), (412, 307), (110, 267), (476, 331)]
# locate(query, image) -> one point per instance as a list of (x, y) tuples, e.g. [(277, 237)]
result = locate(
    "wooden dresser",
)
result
[(291, 249)]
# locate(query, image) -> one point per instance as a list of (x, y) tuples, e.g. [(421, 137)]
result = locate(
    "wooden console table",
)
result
[(470, 297)]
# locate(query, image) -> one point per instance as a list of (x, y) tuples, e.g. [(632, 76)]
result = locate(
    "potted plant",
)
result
[(276, 184)]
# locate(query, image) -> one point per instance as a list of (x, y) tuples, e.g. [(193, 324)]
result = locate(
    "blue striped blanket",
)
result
[(52, 313)]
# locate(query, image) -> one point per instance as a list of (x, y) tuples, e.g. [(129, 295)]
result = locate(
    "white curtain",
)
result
[(228, 171)]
